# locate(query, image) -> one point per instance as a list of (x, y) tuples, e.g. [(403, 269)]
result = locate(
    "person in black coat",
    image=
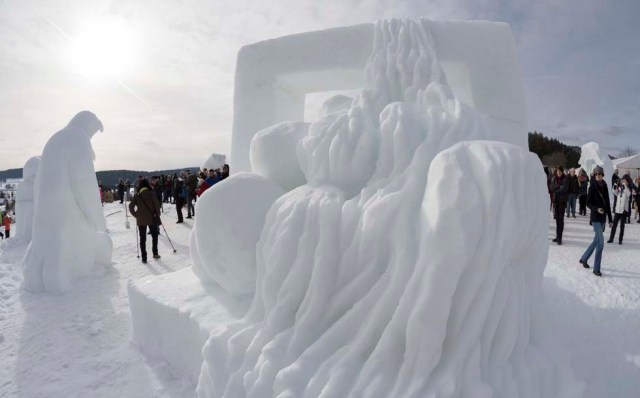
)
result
[(560, 190), (146, 209), (598, 203)]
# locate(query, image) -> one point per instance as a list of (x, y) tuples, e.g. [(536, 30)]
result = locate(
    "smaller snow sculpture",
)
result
[(69, 229), (273, 153), (229, 219), (215, 161), (591, 156), (24, 200)]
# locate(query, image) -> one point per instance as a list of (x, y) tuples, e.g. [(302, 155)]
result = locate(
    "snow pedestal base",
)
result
[(173, 315)]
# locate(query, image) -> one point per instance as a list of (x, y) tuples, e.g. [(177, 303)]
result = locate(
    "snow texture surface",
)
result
[(24, 199), (70, 241), (367, 285)]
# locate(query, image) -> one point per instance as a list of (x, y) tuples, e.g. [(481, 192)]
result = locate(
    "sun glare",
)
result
[(103, 49)]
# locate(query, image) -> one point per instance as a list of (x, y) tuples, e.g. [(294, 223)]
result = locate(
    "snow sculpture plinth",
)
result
[(173, 315)]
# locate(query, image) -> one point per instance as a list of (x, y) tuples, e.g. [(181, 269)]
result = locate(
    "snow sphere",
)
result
[(229, 220), (273, 153)]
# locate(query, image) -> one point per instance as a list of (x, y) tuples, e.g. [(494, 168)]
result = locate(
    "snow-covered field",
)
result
[(78, 344)]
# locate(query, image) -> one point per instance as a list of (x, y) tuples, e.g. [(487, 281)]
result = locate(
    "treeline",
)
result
[(11, 173), (553, 152)]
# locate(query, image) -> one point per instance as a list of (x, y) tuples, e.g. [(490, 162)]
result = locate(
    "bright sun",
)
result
[(103, 49)]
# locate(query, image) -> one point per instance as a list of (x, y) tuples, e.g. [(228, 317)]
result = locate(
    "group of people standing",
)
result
[(146, 204), (593, 193)]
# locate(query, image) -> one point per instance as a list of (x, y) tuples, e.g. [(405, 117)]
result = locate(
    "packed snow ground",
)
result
[(78, 344)]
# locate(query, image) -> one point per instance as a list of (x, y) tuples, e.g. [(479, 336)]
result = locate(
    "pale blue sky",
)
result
[(580, 62)]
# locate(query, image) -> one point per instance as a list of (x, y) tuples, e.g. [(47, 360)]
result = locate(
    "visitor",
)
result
[(6, 221), (598, 203), (637, 199), (632, 188), (559, 188), (157, 189), (121, 188), (621, 208), (213, 178), (573, 191), (145, 208), (225, 172), (583, 186), (192, 185), (614, 178), (179, 196)]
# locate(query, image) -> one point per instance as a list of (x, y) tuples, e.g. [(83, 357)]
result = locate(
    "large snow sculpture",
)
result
[(24, 200), (69, 229), (410, 263)]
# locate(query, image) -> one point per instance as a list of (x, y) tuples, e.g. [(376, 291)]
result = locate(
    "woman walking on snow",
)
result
[(621, 211), (598, 203)]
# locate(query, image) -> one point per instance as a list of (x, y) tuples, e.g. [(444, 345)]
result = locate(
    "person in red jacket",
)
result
[(6, 221)]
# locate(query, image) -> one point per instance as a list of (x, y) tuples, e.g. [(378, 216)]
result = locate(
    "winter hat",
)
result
[(598, 170)]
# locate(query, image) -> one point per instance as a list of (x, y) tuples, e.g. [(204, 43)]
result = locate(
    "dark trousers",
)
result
[(558, 211), (179, 204), (583, 205), (618, 218), (7, 233), (143, 239), (191, 211)]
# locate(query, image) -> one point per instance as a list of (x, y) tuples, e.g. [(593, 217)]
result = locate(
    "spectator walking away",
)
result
[(192, 184), (121, 188), (574, 189), (559, 188), (6, 221), (157, 189), (621, 208), (637, 199), (598, 203), (632, 188), (180, 196), (146, 209), (583, 186)]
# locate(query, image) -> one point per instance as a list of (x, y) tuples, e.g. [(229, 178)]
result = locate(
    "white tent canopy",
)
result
[(629, 165)]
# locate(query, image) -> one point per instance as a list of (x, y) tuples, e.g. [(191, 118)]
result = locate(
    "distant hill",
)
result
[(109, 178), (11, 173)]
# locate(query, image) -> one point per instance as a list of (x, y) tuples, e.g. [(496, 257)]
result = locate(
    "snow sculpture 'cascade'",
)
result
[(398, 269), (69, 229), (24, 199)]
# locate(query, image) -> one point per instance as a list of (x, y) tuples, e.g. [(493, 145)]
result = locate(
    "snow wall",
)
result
[(69, 230), (24, 199), (410, 262)]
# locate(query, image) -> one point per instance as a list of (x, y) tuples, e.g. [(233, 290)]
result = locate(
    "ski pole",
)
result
[(165, 232), (137, 244)]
